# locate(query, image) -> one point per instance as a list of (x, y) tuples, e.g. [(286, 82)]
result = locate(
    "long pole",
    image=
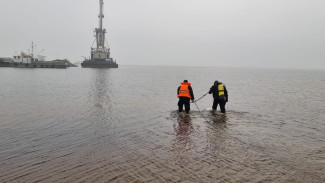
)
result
[(101, 15), (201, 97)]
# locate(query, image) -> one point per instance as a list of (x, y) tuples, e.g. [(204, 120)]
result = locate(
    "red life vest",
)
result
[(184, 91)]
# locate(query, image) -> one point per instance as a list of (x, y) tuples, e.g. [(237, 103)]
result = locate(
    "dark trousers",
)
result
[(184, 101), (222, 104)]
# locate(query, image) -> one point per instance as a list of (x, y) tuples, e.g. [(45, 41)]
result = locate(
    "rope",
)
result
[(201, 97), (199, 108), (201, 112)]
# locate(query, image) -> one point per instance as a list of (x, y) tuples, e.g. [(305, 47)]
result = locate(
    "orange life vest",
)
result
[(184, 91)]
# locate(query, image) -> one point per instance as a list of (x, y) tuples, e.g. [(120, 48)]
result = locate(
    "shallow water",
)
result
[(121, 125)]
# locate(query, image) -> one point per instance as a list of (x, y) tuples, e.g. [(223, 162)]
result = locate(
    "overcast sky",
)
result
[(222, 33)]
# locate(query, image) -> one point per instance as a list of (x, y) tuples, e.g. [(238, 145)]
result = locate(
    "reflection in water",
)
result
[(218, 117), (217, 131), (99, 90), (100, 118), (183, 142), (99, 97)]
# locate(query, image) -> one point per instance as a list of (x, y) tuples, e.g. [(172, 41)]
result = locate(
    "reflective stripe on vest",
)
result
[(184, 91), (221, 90)]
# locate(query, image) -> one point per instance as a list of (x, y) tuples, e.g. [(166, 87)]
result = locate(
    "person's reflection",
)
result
[(217, 134), (219, 117), (183, 141)]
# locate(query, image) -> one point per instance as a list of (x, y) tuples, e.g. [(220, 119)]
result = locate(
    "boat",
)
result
[(69, 64), (6, 62), (24, 60), (100, 55)]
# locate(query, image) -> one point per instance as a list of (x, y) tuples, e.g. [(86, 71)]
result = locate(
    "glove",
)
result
[(227, 99)]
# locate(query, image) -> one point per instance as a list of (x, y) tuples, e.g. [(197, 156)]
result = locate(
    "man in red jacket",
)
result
[(185, 94)]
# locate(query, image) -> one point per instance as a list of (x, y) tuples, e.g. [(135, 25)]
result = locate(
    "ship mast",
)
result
[(32, 49), (101, 15), (100, 32)]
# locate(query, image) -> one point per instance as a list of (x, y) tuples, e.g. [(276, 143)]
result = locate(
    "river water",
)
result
[(121, 125)]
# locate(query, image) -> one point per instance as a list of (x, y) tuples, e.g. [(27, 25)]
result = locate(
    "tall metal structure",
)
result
[(100, 55)]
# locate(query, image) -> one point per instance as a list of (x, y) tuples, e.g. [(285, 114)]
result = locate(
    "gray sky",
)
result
[(231, 33)]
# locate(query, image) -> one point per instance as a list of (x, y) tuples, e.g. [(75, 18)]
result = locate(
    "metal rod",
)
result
[(101, 15)]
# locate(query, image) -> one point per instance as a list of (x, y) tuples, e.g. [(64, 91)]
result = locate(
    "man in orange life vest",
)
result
[(220, 95), (185, 94)]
